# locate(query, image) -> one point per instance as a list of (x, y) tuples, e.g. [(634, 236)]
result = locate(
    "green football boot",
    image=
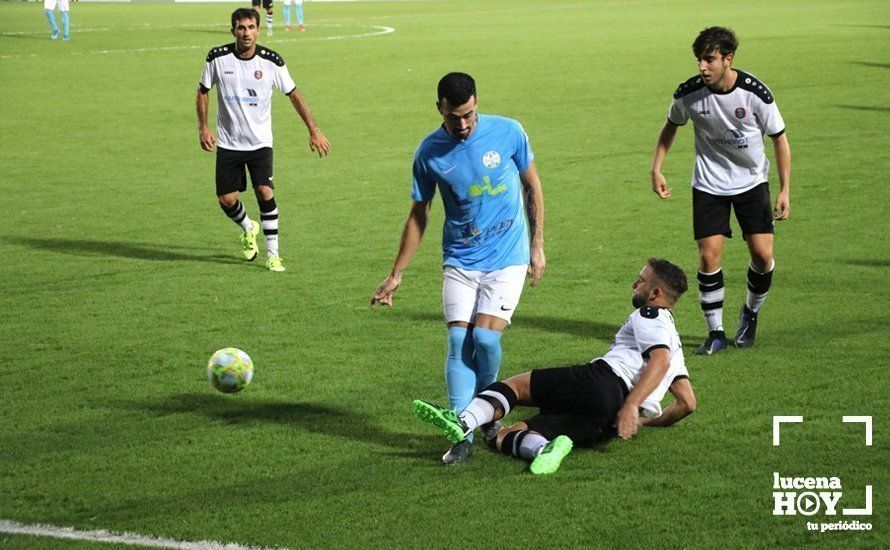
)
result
[(442, 418), (274, 263), (551, 456), (248, 242)]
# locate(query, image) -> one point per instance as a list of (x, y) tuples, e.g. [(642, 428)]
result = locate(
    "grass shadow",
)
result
[(866, 108), (312, 417), (136, 251), (872, 64), (869, 262)]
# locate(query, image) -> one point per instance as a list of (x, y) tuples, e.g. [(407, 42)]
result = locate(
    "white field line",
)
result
[(380, 30), (118, 538)]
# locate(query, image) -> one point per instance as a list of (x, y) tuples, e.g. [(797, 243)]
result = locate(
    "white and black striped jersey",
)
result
[(244, 91), (646, 329), (729, 127)]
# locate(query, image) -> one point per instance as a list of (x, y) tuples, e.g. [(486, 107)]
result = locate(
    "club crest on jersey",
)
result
[(740, 112), (259, 76), (491, 159)]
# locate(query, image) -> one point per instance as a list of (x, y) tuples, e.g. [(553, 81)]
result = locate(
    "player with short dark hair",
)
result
[(482, 165), (730, 110), (267, 5), (245, 74), (580, 404)]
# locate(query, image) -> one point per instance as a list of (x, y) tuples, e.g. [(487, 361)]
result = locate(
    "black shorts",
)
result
[(230, 175), (710, 213), (267, 4), (579, 401)]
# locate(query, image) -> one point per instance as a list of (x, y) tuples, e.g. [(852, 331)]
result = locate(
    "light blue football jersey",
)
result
[(485, 225)]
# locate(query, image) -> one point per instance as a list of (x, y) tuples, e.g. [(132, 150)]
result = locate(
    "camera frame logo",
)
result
[(809, 496)]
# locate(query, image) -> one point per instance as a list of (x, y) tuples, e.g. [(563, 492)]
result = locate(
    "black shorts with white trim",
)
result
[(230, 173), (753, 210), (580, 401)]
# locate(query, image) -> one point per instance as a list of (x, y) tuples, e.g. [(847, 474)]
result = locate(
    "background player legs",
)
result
[(63, 8), (269, 20), (287, 11), (298, 9), (51, 17), (711, 292), (760, 278)]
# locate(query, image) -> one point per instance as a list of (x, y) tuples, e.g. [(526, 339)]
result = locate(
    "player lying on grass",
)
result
[(581, 404)]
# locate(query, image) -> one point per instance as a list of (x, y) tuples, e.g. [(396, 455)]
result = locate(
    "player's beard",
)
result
[(639, 300)]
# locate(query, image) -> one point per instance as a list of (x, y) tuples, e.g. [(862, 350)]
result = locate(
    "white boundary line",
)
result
[(381, 30), (70, 533)]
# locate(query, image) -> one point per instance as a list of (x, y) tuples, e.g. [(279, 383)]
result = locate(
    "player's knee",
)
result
[(486, 341), (228, 201), (761, 261), (709, 260), (263, 192)]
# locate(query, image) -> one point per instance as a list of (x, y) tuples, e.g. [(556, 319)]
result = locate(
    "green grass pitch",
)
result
[(120, 276)]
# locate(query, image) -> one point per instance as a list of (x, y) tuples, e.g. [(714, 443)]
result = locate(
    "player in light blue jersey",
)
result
[(483, 167)]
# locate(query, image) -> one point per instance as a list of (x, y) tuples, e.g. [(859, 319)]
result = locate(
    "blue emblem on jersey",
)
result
[(485, 225)]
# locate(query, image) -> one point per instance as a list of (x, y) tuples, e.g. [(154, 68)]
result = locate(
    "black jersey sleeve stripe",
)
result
[(777, 134), (295, 89), (680, 377), (203, 88), (653, 348), (675, 123)]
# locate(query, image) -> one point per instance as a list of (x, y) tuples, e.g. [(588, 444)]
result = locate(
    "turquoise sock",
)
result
[(487, 344), (286, 16), (64, 24), (459, 374), (52, 20), (299, 9)]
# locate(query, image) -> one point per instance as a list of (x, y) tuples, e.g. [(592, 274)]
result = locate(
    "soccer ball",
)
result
[(230, 370)]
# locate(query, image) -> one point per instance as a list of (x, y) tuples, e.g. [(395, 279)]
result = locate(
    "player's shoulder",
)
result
[(220, 51), (689, 86), (500, 122), (269, 55), (654, 313), (431, 143), (750, 83)]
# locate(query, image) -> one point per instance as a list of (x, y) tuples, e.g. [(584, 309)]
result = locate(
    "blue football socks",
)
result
[(299, 9), (64, 25), (487, 344), (51, 17), (459, 374)]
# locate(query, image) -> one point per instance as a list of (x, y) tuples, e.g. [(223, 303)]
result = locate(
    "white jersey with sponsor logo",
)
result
[(244, 91), (646, 329), (729, 127)]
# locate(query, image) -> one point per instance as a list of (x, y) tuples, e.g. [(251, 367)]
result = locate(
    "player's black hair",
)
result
[(670, 275), (719, 39), (457, 88), (245, 13)]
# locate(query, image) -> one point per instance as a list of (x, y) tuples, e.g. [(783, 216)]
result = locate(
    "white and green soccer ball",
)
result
[(230, 370)]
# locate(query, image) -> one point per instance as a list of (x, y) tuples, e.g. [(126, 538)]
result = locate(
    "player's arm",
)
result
[(412, 234), (783, 165), (629, 415), (202, 106), (317, 142), (534, 210), (665, 140), (683, 406)]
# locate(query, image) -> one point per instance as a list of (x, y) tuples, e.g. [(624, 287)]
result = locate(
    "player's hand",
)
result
[(384, 292), (660, 186), (783, 207), (208, 141), (537, 265), (628, 421), (318, 143)]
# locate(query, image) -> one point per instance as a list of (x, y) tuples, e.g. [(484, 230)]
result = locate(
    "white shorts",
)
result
[(50, 5), (468, 293), (289, 2)]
